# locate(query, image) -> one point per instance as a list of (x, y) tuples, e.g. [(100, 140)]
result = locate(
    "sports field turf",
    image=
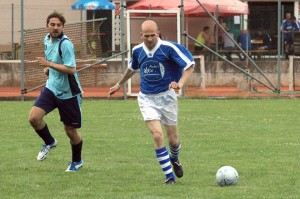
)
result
[(260, 138)]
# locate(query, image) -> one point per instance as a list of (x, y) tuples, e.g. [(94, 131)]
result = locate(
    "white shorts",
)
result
[(162, 106)]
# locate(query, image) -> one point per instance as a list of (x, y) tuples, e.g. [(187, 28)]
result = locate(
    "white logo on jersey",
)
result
[(153, 70)]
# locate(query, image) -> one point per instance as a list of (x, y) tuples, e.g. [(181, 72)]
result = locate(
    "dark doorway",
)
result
[(263, 17)]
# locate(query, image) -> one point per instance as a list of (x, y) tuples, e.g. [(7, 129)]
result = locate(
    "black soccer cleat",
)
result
[(177, 169), (170, 181)]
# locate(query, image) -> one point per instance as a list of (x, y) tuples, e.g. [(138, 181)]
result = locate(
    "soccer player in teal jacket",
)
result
[(62, 91)]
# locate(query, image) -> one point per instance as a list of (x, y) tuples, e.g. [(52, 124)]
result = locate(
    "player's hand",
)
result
[(46, 71), (42, 61), (113, 89), (175, 85)]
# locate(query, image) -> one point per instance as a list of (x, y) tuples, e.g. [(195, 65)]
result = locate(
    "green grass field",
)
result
[(260, 138)]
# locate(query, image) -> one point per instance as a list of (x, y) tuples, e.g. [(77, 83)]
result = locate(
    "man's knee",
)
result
[(34, 120), (73, 134), (36, 117), (71, 131), (157, 136)]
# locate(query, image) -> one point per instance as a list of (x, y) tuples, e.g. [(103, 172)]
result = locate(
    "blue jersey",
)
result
[(64, 86), (287, 25), (160, 66), (245, 39), (296, 26)]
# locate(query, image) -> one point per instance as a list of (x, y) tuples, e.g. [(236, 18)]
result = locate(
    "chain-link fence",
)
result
[(89, 30), (254, 63), (256, 50), (86, 38), (10, 32)]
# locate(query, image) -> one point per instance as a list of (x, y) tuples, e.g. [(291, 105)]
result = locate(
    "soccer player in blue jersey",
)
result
[(62, 91), (287, 29), (164, 66)]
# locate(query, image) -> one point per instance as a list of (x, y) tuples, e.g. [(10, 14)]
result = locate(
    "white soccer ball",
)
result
[(226, 176)]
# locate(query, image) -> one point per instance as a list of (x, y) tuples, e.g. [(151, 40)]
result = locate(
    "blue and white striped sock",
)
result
[(174, 152), (163, 158)]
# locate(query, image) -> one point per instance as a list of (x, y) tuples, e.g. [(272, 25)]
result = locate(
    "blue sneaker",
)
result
[(74, 166), (44, 152)]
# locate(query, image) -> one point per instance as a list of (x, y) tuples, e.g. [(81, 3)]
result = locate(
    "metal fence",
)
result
[(262, 70)]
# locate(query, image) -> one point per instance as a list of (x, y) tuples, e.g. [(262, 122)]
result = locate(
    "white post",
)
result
[(291, 73), (245, 22), (296, 9), (129, 49), (178, 28), (202, 71), (113, 30)]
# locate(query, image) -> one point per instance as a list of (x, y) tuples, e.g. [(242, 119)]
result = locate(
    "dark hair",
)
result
[(55, 14), (206, 28)]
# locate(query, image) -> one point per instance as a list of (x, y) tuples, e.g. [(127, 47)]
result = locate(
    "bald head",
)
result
[(149, 25), (149, 33)]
